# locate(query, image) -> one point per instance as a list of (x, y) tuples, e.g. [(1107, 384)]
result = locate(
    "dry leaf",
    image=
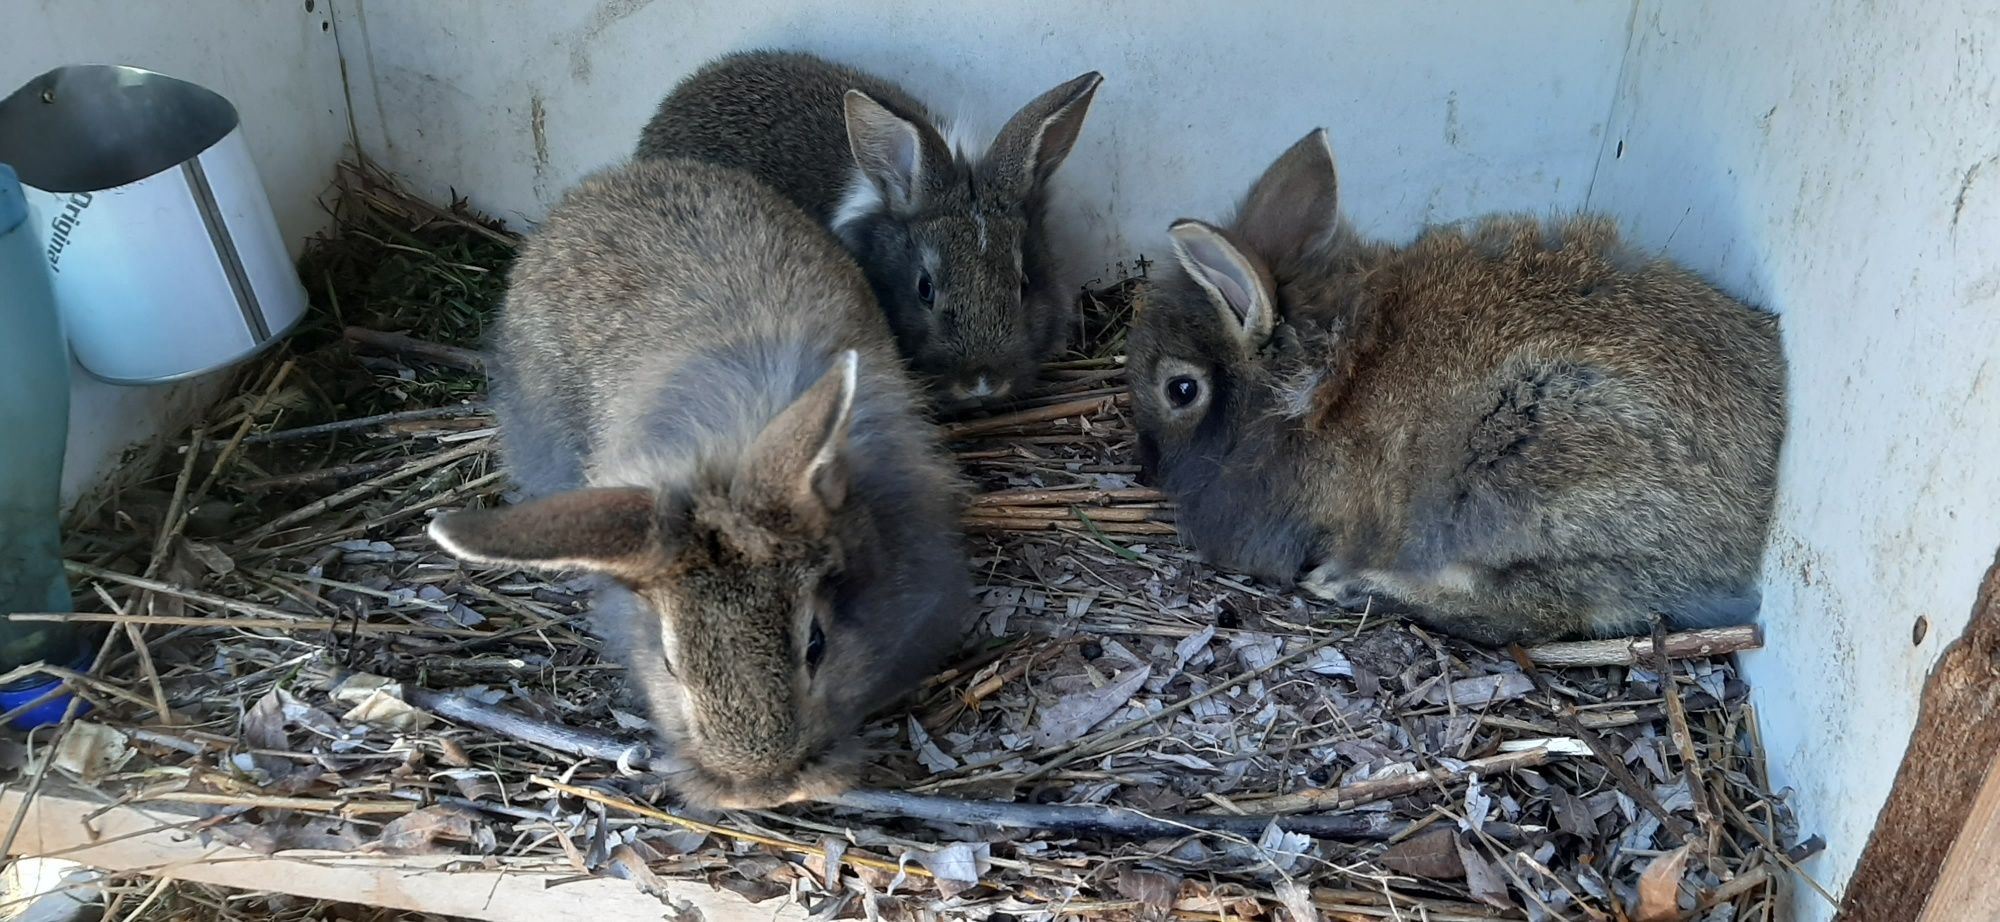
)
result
[(1481, 691), (417, 833), (1660, 888), (90, 751), (1432, 855), (1297, 900), (1074, 715), (1482, 876), (1151, 889), (957, 866), (378, 702), (625, 864)]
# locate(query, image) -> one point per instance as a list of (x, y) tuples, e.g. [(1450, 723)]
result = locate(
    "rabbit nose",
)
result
[(979, 387)]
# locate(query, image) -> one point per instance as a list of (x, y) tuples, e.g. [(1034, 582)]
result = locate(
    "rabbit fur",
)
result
[(697, 390), (1512, 430), (952, 239)]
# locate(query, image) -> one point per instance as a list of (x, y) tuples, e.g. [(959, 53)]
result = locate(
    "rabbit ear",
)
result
[(1034, 142), (1295, 205), (799, 461), (1240, 288), (887, 147), (612, 530)]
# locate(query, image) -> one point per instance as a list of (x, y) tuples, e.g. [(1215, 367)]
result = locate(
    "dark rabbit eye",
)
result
[(815, 648), (1182, 390), (925, 292)]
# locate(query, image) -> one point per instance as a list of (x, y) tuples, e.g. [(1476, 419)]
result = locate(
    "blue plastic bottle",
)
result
[(34, 422)]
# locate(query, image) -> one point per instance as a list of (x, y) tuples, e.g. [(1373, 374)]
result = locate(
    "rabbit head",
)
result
[(1213, 366), (954, 243), (731, 585)]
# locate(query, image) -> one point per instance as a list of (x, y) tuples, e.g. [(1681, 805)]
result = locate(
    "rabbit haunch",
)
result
[(1515, 429), (696, 389), (949, 232)]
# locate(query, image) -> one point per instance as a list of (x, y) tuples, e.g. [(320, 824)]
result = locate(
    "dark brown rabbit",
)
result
[(952, 239), (699, 393), (1515, 430)]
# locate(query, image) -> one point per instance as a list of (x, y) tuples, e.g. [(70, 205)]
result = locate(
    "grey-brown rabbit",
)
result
[(1514, 431), (952, 241), (698, 391)]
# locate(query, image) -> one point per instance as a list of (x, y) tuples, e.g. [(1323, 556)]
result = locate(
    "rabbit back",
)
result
[(668, 318), (776, 115)]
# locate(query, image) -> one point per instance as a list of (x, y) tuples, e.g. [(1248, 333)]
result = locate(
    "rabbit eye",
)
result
[(925, 292), (815, 648), (1182, 390)]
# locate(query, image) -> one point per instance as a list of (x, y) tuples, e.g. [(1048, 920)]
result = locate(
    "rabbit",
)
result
[(703, 406), (1515, 430), (953, 239)]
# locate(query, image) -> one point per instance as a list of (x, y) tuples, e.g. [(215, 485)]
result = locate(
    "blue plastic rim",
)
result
[(13, 204), (47, 713)]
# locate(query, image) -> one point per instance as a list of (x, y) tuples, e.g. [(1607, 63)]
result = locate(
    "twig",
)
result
[(1069, 820), (297, 623), (1348, 796), (320, 475), (990, 523), (173, 516), (452, 411), (1099, 514), (366, 487), (1071, 497), (1613, 763), (401, 344), (1704, 815), (1634, 651), (847, 857), (1088, 407), (1115, 822)]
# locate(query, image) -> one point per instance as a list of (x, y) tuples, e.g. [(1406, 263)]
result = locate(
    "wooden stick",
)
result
[(1349, 796), (1638, 651), (1088, 407), (1062, 497), (401, 344)]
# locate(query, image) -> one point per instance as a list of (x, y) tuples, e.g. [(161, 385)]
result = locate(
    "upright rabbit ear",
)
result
[(1239, 286), (613, 530), (887, 147), (799, 461), (1035, 141), (1295, 205)]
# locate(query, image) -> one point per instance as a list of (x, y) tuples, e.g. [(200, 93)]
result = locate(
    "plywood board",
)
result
[(155, 841)]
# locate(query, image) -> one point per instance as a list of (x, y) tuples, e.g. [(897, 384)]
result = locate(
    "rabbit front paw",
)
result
[(1351, 591)]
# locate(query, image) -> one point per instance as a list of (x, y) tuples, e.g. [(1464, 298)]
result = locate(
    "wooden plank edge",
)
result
[(147, 839)]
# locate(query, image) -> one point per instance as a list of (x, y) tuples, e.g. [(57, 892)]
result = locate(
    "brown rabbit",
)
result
[(694, 382), (952, 239), (1513, 431)]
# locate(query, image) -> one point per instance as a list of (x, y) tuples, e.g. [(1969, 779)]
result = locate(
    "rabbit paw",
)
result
[(1349, 591)]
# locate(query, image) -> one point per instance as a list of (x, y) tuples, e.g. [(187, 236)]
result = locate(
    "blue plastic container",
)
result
[(34, 423)]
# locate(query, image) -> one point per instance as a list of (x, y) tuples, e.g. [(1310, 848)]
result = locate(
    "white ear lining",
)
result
[(1216, 266), (849, 367)]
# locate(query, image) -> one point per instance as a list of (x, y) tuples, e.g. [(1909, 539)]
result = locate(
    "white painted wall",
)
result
[(277, 62), (1840, 163), (1825, 161), (509, 101)]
